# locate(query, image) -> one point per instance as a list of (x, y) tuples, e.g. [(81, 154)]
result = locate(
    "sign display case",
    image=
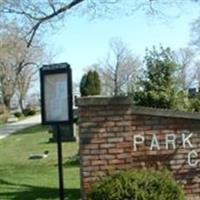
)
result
[(56, 94)]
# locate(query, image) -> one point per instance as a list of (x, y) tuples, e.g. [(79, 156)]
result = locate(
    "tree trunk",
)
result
[(21, 105), (116, 86), (6, 101)]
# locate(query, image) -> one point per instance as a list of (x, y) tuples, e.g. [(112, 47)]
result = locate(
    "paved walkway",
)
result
[(13, 127)]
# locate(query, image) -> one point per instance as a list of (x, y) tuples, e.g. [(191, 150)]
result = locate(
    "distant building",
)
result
[(194, 92)]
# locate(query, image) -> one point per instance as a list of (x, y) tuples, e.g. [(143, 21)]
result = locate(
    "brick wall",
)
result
[(109, 127)]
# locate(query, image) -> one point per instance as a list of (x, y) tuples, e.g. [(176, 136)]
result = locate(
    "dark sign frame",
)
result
[(61, 68)]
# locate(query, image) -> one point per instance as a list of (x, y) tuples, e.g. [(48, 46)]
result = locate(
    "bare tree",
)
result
[(195, 36), (15, 57), (25, 78), (33, 14), (186, 59), (197, 73), (7, 84), (120, 69)]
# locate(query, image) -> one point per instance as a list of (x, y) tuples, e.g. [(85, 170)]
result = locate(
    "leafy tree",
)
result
[(90, 84), (159, 88)]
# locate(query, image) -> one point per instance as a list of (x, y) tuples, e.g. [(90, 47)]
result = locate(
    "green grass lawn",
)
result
[(24, 179)]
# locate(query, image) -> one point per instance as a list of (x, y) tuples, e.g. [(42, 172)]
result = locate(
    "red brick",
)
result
[(116, 161), (91, 146), (90, 168), (88, 124), (107, 157), (123, 167), (115, 140), (127, 123), (124, 145), (114, 118), (115, 151), (97, 130), (89, 157), (86, 162), (107, 167), (99, 162), (107, 145), (86, 174), (143, 128), (106, 135), (98, 140), (98, 151), (124, 155), (115, 129), (97, 119), (85, 152), (138, 122), (109, 124)]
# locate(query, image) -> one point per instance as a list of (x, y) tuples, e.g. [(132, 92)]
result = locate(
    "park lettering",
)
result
[(170, 142)]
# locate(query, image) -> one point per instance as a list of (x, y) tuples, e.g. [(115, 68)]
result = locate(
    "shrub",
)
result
[(137, 185), (195, 104), (29, 112), (90, 84), (18, 114), (32, 112)]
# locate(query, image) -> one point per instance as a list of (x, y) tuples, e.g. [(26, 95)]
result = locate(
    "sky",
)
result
[(82, 42)]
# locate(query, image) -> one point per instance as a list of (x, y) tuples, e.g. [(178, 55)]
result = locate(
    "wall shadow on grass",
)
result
[(30, 192)]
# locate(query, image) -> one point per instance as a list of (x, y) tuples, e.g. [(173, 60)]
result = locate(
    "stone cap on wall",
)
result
[(106, 101)]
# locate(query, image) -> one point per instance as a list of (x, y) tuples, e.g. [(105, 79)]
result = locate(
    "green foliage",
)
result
[(18, 114), (137, 185), (90, 84), (194, 104), (181, 101), (159, 85)]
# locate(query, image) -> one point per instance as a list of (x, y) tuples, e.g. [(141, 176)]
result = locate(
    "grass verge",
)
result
[(24, 179)]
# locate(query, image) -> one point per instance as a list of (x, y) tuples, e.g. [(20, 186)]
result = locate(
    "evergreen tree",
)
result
[(158, 87), (90, 84)]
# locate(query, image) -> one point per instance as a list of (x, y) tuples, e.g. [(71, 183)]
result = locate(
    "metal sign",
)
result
[(56, 94), (56, 103)]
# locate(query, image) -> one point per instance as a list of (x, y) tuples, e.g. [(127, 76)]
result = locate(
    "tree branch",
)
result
[(50, 16), (52, 5)]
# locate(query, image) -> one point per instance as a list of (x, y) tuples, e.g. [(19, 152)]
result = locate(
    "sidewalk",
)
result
[(14, 127)]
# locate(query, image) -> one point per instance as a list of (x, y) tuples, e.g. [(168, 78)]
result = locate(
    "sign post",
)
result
[(56, 104), (60, 163)]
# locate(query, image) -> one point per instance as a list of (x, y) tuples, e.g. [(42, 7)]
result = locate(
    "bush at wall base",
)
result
[(138, 185)]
